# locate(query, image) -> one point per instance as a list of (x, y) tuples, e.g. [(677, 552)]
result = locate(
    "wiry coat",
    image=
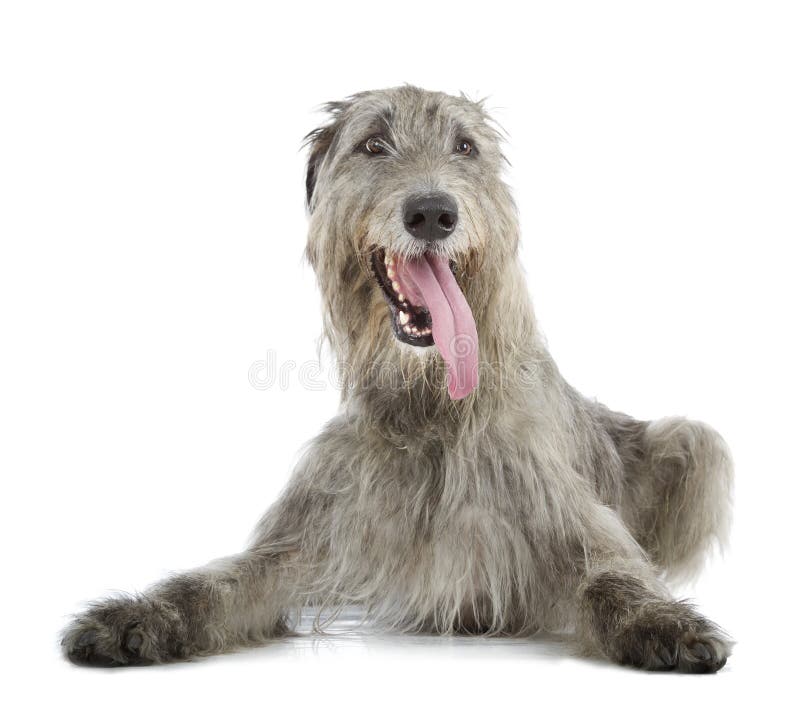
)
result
[(524, 506)]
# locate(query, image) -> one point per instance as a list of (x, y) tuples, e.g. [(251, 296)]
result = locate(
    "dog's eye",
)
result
[(464, 147), (375, 145)]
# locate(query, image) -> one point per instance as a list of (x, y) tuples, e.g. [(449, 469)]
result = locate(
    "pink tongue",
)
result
[(453, 326)]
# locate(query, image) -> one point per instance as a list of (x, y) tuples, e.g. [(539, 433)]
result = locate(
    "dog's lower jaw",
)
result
[(424, 353)]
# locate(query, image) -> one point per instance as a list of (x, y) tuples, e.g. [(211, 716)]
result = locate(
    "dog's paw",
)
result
[(123, 632), (672, 637)]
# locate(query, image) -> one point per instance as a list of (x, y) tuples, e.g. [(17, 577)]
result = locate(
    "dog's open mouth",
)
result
[(427, 307), (410, 323)]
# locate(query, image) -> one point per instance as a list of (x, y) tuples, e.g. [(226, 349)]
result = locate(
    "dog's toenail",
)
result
[(701, 651), (666, 658), (134, 642)]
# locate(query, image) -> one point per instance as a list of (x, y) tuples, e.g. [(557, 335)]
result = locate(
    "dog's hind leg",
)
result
[(676, 493), (232, 602)]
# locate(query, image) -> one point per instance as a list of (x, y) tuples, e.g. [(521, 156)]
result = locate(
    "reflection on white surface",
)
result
[(350, 636)]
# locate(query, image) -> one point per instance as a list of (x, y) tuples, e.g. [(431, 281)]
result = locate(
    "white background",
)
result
[(152, 227)]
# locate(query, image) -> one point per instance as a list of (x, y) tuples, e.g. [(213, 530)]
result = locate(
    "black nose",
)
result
[(430, 217)]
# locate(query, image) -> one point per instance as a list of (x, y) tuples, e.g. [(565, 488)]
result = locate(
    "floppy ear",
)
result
[(319, 142)]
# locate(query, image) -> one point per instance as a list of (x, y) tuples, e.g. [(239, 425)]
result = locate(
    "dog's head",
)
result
[(411, 223)]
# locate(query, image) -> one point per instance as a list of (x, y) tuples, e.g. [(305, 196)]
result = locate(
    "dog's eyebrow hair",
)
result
[(460, 128), (381, 122)]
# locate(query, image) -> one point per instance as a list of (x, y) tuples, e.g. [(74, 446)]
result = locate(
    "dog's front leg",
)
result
[(232, 602), (625, 613)]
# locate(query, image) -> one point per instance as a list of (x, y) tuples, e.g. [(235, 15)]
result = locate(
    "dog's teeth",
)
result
[(414, 330), (401, 297), (390, 272), (407, 328), (426, 332), (395, 286), (403, 316)]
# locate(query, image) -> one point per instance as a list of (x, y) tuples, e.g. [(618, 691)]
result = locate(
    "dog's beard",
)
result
[(427, 307)]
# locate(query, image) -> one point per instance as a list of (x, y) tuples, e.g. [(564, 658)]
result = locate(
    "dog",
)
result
[(464, 487)]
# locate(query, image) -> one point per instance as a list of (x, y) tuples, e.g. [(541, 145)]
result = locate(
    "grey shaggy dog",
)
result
[(450, 495)]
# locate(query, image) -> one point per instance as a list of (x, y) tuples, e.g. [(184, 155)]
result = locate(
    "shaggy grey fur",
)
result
[(524, 506)]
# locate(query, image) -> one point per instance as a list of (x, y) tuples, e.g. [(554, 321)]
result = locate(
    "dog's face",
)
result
[(407, 205)]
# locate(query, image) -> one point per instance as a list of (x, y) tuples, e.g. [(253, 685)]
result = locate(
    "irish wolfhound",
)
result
[(465, 487)]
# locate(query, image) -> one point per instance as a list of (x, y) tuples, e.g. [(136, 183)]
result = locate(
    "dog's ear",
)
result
[(319, 142)]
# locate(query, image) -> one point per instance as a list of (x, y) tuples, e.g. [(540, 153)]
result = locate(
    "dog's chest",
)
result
[(469, 572), (451, 538)]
